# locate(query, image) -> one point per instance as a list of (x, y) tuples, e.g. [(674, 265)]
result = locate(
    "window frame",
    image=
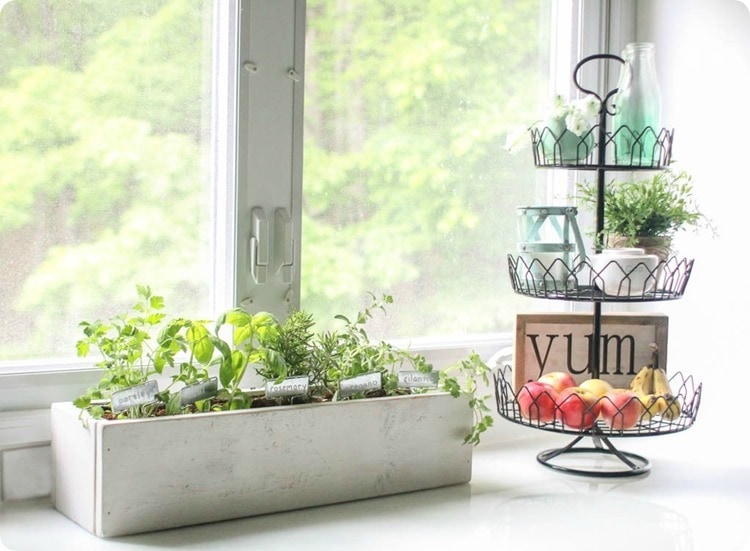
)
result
[(35, 385)]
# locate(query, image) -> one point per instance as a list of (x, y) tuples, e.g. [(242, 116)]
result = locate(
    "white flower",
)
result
[(577, 124), (558, 110), (516, 139), (582, 114), (588, 106), (577, 116)]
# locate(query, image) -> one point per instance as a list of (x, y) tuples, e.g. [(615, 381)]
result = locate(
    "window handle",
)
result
[(259, 246), (283, 244)]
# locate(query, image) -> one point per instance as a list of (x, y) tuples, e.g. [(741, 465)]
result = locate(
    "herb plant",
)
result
[(470, 371), (350, 352), (658, 206), (240, 341), (252, 340), (129, 355)]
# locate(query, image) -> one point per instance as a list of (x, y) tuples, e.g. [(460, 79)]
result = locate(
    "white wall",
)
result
[(703, 63)]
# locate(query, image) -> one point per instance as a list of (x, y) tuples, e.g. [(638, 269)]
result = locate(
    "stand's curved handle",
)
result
[(584, 90)]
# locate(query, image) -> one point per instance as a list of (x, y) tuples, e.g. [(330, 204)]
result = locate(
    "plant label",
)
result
[(134, 395), (199, 391), (293, 386), (417, 379), (360, 383)]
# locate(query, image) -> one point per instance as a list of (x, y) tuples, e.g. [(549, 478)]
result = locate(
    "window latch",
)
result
[(279, 260), (283, 245), (259, 246)]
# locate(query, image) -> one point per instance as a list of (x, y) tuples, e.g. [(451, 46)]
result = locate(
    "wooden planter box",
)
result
[(125, 477)]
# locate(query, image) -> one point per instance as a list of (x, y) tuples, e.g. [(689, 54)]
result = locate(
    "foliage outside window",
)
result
[(105, 155), (407, 186), (104, 162)]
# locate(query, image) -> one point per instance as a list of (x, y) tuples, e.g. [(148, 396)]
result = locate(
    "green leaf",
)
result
[(82, 402), (241, 321), (82, 348), (239, 365), (155, 318), (97, 412), (144, 291), (200, 343), (276, 364), (226, 371), (157, 302), (173, 404)]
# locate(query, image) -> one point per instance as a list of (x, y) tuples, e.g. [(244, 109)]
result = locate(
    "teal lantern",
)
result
[(550, 247)]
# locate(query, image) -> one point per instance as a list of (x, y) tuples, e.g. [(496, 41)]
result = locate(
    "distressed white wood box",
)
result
[(124, 477)]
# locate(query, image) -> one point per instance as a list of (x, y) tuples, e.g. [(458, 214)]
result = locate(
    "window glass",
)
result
[(407, 188), (104, 164)]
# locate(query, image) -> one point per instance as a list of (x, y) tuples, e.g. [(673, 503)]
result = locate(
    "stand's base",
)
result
[(634, 465)]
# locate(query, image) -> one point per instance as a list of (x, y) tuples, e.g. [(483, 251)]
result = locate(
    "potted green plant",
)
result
[(170, 462), (646, 213)]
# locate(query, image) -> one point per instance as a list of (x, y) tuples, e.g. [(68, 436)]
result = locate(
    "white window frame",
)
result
[(261, 104)]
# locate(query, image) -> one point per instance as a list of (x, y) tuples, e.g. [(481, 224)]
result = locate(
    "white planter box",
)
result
[(125, 477)]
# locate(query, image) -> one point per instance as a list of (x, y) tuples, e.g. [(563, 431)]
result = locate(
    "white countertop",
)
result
[(696, 497)]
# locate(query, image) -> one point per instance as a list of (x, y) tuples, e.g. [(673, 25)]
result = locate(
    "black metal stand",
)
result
[(634, 465), (597, 150)]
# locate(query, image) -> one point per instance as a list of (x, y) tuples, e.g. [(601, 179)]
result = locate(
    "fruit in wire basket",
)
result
[(559, 380), (537, 401), (667, 407), (651, 384), (621, 408), (578, 407), (598, 386)]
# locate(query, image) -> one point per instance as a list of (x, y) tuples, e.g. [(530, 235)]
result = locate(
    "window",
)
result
[(407, 187), (106, 154), (138, 138)]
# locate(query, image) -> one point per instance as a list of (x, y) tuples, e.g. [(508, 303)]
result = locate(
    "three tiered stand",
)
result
[(597, 151)]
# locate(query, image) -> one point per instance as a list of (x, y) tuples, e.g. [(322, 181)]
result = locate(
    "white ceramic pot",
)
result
[(624, 272)]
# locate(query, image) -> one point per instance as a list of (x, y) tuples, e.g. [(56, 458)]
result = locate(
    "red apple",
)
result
[(559, 380), (621, 408), (578, 407), (537, 401)]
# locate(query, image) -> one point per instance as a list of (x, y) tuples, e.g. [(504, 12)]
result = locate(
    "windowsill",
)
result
[(511, 501)]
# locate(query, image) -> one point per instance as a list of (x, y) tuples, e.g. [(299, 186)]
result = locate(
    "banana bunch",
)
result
[(652, 387)]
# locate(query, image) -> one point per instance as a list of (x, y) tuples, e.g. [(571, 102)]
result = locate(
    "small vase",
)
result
[(561, 146), (637, 119)]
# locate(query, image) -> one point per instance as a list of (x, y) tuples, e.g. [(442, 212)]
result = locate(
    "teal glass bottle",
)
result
[(637, 119)]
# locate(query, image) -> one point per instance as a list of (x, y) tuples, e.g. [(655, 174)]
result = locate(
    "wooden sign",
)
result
[(562, 342)]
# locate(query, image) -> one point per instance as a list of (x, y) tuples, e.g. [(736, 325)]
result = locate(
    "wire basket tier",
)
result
[(687, 395), (650, 149), (579, 281)]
